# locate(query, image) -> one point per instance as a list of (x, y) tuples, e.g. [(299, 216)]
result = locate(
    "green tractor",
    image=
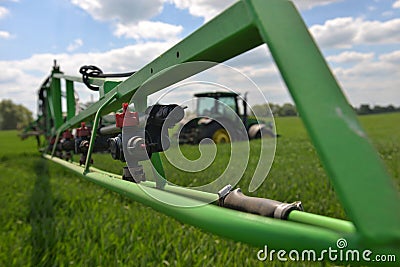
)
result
[(218, 118)]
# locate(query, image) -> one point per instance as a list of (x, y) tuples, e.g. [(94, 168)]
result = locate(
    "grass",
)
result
[(50, 217)]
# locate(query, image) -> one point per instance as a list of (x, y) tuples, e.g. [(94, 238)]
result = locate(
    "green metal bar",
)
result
[(55, 143), (322, 221), (70, 99), (357, 174), (107, 87), (94, 131), (160, 173), (48, 110), (195, 194), (56, 102), (94, 81), (248, 228)]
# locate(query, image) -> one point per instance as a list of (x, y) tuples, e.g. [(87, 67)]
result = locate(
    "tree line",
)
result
[(13, 116), (366, 109), (289, 109), (277, 110)]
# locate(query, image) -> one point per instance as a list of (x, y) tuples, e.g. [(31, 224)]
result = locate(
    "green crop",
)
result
[(51, 217)]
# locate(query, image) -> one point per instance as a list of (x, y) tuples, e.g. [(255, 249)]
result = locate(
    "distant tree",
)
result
[(390, 108), (378, 109), (274, 109), (260, 110), (364, 109), (288, 110), (13, 116)]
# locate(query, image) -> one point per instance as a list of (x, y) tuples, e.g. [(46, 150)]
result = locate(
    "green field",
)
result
[(51, 217)]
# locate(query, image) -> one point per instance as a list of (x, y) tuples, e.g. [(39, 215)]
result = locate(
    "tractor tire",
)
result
[(194, 132), (215, 132), (221, 136), (257, 131)]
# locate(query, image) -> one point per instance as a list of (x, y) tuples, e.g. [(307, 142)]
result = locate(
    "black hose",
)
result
[(90, 71)]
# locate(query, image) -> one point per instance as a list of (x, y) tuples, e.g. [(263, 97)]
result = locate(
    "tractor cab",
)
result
[(218, 105)]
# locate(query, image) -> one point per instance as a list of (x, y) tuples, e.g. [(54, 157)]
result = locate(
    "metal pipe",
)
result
[(55, 143), (71, 108), (158, 170), (94, 131), (109, 130), (95, 81)]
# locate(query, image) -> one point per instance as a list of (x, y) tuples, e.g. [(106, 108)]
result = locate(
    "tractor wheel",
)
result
[(257, 131), (221, 136)]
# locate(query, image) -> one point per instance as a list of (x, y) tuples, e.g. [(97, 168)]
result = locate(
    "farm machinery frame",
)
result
[(357, 174)]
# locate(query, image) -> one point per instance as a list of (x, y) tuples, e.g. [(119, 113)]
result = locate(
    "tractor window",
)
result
[(205, 106), (229, 102)]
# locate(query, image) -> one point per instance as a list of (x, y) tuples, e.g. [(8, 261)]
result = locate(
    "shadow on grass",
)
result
[(41, 217)]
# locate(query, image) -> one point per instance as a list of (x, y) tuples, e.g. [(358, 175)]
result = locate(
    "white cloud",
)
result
[(389, 13), (74, 45), (131, 18), (122, 11), (206, 9), (257, 56), (372, 81), (365, 77), (396, 4), (154, 30), (4, 12), (5, 35), (309, 4), (393, 57), (351, 57), (347, 32), (23, 77)]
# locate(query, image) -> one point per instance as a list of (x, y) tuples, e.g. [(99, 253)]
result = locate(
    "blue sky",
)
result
[(360, 40), (53, 25)]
